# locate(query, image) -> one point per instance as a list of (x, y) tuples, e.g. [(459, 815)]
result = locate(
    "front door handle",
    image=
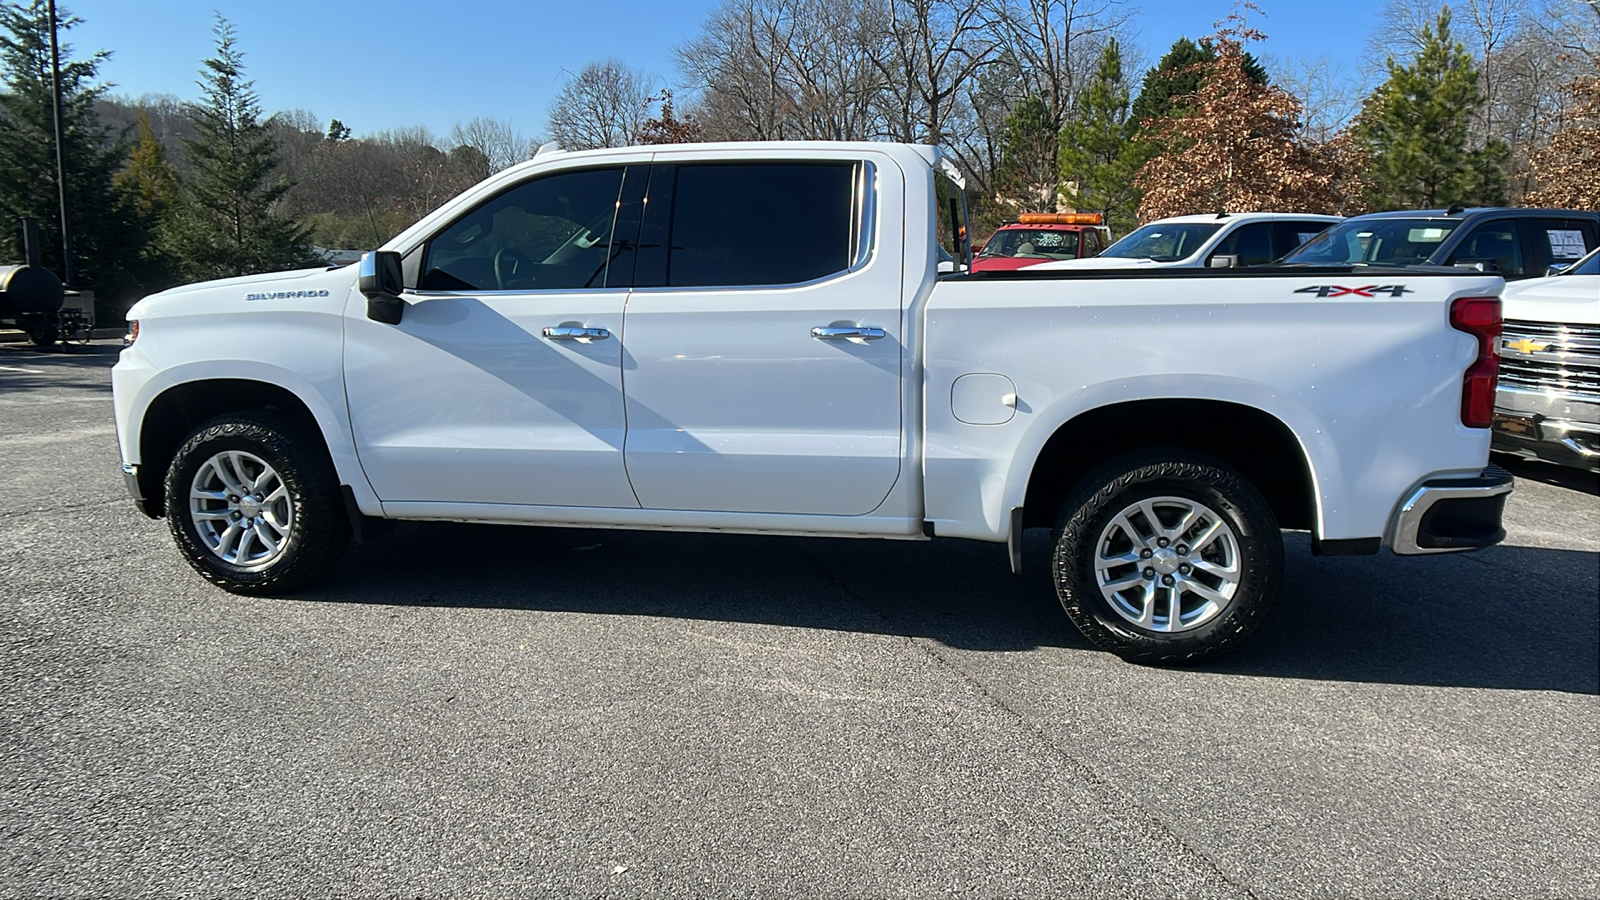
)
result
[(852, 333), (575, 333)]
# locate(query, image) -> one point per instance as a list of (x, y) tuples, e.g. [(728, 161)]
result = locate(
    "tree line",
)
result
[(1042, 102)]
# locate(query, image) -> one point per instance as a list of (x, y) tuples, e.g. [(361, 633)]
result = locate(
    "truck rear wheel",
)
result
[(46, 337), (1167, 558), (254, 504)]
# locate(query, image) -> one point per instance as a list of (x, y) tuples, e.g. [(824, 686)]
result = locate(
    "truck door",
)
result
[(763, 338), (502, 383)]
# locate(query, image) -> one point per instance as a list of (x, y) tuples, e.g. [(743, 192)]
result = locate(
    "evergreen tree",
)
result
[(150, 186), (1026, 178), (1179, 75), (228, 223), (1100, 153), (107, 233), (1416, 127)]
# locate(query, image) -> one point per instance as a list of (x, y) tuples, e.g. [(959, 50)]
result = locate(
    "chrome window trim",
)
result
[(426, 295)]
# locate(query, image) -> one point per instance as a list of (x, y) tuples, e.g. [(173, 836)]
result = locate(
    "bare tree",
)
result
[(1055, 44), (603, 105), (789, 69), (1330, 92), (498, 141), (935, 47)]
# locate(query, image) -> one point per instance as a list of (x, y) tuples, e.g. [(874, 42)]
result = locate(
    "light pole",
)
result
[(61, 154)]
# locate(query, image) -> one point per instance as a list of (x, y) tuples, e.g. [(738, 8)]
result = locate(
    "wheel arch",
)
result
[(1257, 443), (175, 412)]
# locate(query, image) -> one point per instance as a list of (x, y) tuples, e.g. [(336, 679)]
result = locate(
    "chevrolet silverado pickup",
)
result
[(1548, 405), (756, 338)]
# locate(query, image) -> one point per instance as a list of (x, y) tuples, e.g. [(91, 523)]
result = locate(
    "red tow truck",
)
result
[(1042, 237)]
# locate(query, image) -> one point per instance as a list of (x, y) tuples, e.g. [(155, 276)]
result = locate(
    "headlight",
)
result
[(133, 333)]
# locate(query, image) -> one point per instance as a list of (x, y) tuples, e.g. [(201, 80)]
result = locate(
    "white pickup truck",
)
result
[(756, 338)]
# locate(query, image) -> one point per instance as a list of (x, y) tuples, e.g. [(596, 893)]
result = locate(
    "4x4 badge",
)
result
[(1339, 290)]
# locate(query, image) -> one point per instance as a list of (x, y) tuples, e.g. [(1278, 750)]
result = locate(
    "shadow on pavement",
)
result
[(24, 367), (1549, 473), (1518, 618)]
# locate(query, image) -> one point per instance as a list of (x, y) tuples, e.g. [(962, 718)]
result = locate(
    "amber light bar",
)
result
[(1061, 219)]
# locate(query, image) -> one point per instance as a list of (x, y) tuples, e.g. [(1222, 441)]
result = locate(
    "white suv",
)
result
[(1216, 241)]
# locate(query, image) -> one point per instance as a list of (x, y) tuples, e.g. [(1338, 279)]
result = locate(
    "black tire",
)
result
[(1086, 528), (44, 338), (315, 529)]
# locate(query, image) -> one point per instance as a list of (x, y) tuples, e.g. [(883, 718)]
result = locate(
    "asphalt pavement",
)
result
[(507, 712)]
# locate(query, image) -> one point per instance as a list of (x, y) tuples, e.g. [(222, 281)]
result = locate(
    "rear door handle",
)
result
[(575, 333), (853, 333)]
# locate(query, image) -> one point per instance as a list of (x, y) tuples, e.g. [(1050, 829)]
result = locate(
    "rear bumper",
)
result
[(1448, 515)]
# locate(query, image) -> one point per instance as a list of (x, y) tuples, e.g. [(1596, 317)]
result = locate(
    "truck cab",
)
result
[(1040, 238)]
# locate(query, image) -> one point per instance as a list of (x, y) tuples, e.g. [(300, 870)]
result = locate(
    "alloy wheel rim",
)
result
[(1167, 564), (241, 509)]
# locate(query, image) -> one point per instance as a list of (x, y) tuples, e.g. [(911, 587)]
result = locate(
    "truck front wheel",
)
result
[(1167, 558), (254, 505)]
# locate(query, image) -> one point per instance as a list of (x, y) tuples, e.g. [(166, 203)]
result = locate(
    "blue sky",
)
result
[(379, 64)]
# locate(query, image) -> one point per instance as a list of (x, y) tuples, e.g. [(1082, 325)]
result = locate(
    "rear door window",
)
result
[(756, 224), (1555, 241)]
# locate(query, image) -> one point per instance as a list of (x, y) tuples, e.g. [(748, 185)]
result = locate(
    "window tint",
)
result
[(1286, 236), (549, 233), (1553, 241), (1495, 242), (1251, 243), (760, 224)]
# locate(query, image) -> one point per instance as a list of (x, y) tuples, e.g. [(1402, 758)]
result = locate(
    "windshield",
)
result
[(1164, 242), (1589, 265), (1389, 242), (1032, 244)]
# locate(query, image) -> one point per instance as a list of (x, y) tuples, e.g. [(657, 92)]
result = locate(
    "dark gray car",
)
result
[(1512, 242)]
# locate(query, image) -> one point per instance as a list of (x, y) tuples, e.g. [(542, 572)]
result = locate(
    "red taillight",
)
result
[(1479, 317)]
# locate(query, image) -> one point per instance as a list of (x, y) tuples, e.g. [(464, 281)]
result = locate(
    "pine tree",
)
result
[(1100, 153), (1416, 127), (150, 186), (228, 224), (1026, 178), (1179, 74), (107, 233)]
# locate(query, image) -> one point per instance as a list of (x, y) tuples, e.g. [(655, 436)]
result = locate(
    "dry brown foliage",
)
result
[(1239, 149), (1568, 168)]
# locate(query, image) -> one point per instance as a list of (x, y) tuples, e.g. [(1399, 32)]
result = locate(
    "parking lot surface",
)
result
[(503, 712)]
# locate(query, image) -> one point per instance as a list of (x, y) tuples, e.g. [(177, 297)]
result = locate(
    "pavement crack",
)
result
[(1085, 772)]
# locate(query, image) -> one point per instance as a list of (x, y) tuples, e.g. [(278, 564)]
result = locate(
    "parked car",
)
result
[(600, 339), (1548, 402), (1207, 241), (1040, 238), (1511, 243)]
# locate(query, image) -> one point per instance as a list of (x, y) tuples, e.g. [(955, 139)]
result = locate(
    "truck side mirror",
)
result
[(1556, 269), (381, 281), (1223, 261)]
